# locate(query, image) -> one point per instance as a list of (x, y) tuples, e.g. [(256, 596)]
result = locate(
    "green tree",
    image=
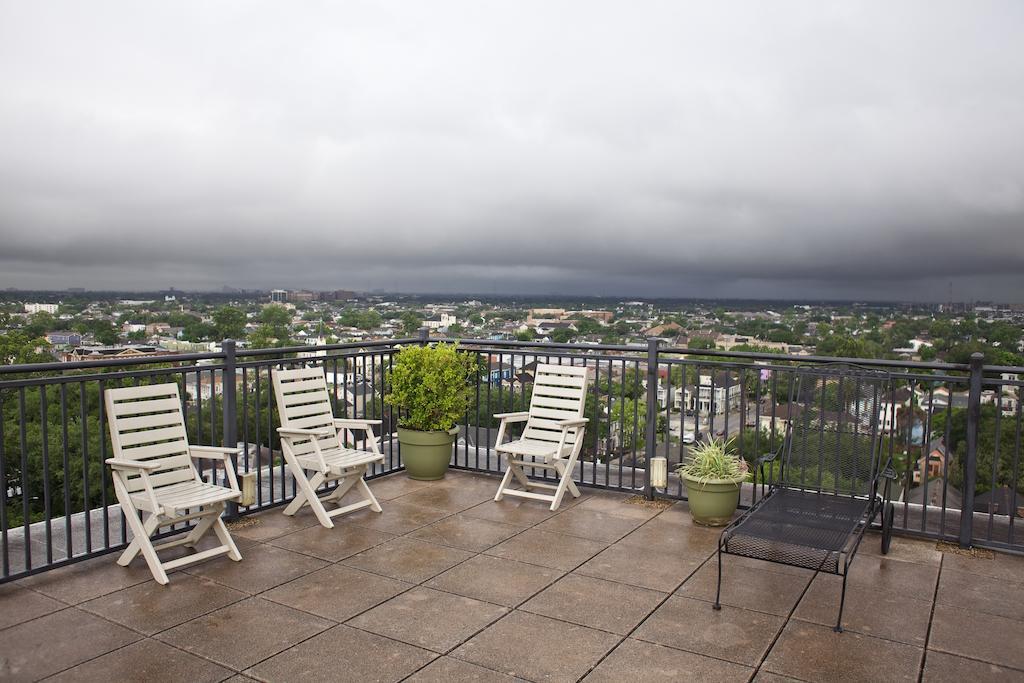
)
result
[(526, 335), (229, 322), (411, 322), (562, 335), (274, 330), (18, 347)]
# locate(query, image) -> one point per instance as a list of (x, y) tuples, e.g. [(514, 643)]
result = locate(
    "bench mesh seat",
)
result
[(801, 528)]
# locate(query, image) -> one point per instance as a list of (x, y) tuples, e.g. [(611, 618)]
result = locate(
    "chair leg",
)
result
[(838, 628), (225, 539), (504, 482), (345, 484), (718, 588), (145, 545), (151, 524), (201, 527), (368, 494), (306, 495)]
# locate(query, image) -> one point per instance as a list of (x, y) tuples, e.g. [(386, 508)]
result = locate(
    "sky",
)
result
[(860, 150)]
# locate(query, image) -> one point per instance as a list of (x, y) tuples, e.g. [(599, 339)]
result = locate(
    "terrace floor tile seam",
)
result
[(623, 638)]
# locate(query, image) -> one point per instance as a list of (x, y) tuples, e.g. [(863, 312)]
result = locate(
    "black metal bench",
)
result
[(824, 491)]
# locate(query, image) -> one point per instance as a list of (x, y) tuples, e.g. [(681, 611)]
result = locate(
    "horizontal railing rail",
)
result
[(953, 430)]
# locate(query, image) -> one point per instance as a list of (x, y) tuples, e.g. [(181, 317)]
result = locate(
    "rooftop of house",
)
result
[(447, 584)]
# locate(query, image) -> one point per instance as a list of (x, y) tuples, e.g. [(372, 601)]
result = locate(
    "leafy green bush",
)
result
[(432, 385), (714, 460)]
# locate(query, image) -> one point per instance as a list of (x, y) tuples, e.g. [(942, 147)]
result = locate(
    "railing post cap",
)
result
[(977, 357)]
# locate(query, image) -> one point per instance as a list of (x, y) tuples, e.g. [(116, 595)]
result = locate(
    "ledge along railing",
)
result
[(953, 431)]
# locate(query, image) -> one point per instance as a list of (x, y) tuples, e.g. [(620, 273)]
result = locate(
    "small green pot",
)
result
[(712, 502), (426, 454)]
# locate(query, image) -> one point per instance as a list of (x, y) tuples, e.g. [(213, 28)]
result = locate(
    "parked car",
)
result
[(689, 437)]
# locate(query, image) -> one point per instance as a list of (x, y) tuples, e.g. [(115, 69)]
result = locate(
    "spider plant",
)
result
[(714, 460)]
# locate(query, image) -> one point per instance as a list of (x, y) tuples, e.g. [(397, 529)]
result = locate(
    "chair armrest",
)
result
[(889, 473), (767, 457), (218, 453), (213, 452), (295, 431), (513, 417), (125, 464), (354, 423), (574, 422)]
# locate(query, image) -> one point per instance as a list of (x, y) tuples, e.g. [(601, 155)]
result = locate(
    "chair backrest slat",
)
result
[(559, 393), (147, 424), (834, 445), (303, 403)]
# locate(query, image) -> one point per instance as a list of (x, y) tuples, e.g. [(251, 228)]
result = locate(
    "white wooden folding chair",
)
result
[(154, 473), (553, 435), (314, 440)]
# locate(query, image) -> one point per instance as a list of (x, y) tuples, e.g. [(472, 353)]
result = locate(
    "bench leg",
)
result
[(838, 628), (718, 589)]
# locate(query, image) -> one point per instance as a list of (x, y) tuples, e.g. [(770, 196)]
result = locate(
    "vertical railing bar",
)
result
[(1016, 465), (103, 468), (651, 415), (47, 502), (668, 412), (926, 454), (66, 465), (86, 497), (908, 476), (945, 459), (25, 510), (995, 465), (4, 554), (966, 537), (199, 406)]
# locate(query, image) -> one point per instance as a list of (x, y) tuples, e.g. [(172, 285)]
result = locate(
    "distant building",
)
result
[(715, 395), (601, 316), (499, 372), (301, 295), (666, 330), (41, 308), (337, 295), (64, 338), (108, 352), (537, 314), (279, 295), (440, 322)]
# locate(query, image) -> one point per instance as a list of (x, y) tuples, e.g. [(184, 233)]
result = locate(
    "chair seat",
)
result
[(531, 447), (340, 459), (185, 495), (801, 528)]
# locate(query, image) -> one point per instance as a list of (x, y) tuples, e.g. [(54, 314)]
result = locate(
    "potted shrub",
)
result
[(713, 475), (430, 385)]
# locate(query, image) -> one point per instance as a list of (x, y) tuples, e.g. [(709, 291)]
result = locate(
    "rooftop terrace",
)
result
[(447, 585)]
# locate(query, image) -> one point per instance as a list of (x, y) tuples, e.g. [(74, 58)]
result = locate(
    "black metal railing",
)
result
[(954, 431)]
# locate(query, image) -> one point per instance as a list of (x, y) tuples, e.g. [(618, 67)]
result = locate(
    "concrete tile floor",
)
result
[(447, 585)]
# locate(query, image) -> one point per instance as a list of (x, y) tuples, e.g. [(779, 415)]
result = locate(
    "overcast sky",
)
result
[(753, 149)]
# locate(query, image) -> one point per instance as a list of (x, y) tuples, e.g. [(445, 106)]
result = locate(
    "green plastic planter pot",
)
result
[(713, 501), (426, 454)]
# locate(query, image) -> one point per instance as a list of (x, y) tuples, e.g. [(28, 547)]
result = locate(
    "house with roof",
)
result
[(1002, 500), (715, 394)]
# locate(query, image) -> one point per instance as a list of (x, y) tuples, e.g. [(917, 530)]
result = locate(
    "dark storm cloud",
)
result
[(790, 149)]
